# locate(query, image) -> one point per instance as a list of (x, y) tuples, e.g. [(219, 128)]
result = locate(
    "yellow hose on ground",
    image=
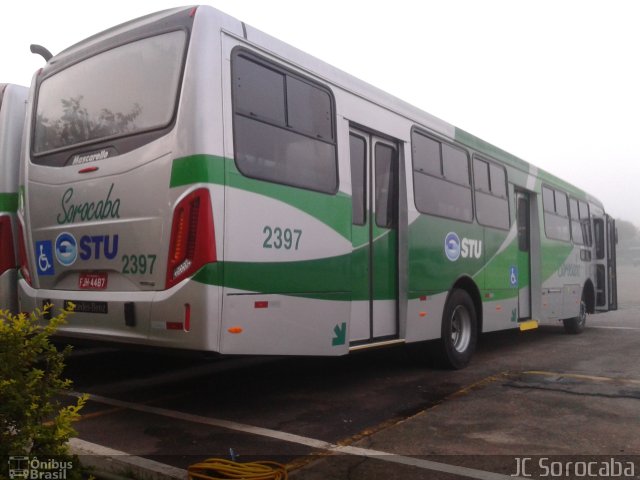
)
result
[(212, 467)]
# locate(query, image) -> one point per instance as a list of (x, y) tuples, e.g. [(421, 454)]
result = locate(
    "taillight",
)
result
[(22, 255), (192, 237), (7, 255)]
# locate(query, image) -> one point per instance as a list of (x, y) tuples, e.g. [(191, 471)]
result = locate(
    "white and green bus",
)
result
[(190, 182), (12, 113)]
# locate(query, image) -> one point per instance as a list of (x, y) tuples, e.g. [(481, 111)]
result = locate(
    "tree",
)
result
[(32, 420), (627, 232), (76, 124)]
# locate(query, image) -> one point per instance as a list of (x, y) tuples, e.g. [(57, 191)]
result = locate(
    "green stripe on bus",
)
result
[(428, 267), (325, 278), (8, 202), (197, 169), (429, 271), (486, 148), (334, 210), (554, 255), (481, 146), (332, 278)]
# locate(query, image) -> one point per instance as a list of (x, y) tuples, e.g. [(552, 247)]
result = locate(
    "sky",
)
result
[(555, 82)]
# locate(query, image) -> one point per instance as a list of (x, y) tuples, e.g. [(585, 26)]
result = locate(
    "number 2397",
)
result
[(281, 238)]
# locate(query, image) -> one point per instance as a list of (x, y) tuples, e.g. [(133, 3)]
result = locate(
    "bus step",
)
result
[(528, 325)]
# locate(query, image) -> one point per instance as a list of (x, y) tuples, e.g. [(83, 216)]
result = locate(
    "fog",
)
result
[(555, 83)]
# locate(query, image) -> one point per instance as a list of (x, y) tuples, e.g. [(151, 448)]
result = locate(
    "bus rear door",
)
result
[(523, 278), (374, 172)]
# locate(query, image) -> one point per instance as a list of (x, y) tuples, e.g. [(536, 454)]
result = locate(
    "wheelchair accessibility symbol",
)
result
[(44, 260), (513, 276)]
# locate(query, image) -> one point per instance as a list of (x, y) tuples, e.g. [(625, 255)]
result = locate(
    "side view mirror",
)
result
[(40, 50)]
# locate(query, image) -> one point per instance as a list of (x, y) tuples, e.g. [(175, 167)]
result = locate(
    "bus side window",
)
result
[(598, 226), (283, 125), (492, 205), (577, 231), (386, 159), (585, 222), (358, 179), (441, 178), (556, 214)]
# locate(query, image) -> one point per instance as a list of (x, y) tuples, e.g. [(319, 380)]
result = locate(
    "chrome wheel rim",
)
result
[(460, 329), (582, 317)]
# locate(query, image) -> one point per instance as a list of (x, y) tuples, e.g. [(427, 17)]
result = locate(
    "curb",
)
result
[(105, 459)]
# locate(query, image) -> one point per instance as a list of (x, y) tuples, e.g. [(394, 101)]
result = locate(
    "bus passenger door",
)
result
[(374, 271), (612, 274), (605, 265), (524, 256)]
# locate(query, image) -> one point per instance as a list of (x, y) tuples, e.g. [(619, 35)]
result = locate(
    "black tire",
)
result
[(459, 331), (576, 325)]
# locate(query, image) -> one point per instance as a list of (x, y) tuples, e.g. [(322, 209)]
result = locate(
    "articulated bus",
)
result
[(12, 114), (190, 182)]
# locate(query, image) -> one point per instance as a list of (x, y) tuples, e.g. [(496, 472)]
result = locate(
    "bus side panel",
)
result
[(191, 312), (432, 273), (284, 325), (501, 280), (424, 317), (12, 115), (287, 253), (564, 275), (286, 271)]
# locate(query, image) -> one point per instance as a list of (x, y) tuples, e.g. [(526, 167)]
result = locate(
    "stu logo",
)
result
[(95, 246), (455, 248), (66, 249), (471, 248)]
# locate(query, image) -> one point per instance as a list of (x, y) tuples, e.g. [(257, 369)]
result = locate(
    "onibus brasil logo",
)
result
[(24, 467)]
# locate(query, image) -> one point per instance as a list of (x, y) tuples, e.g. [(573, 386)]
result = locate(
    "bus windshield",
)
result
[(125, 90)]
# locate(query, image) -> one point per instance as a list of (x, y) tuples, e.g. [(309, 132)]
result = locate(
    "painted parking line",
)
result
[(611, 327), (302, 440), (580, 376)]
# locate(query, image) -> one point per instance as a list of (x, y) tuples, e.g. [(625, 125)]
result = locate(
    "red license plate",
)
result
[(93, 281)]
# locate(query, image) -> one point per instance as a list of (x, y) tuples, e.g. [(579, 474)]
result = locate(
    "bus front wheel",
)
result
[(459, 331), (576, 324)]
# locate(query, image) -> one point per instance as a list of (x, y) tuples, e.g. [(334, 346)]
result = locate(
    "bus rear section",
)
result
[(138, 212), (12, 112), (103, 227)]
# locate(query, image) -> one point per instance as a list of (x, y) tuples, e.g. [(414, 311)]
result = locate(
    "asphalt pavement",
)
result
[(542, 403)]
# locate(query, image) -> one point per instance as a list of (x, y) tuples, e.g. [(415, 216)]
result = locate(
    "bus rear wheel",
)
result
[(576, 325), (459, 331)]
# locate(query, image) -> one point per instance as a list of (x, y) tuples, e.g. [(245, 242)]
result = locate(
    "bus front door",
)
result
[(374, 270), (612, 274), (604, 228)]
